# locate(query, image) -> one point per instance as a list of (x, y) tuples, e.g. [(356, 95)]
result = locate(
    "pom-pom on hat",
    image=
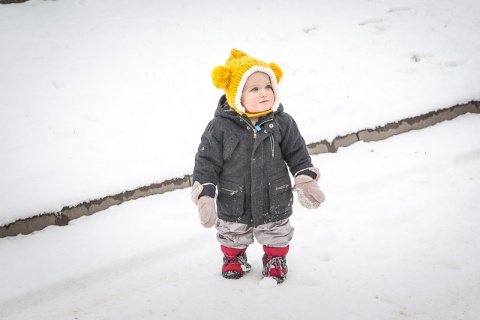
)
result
[(234, 74)]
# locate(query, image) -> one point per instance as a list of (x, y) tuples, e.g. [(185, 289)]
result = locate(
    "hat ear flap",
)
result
[(276, 70), (221, 77)]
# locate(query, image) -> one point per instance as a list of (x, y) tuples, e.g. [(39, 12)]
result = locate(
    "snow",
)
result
[(397, 238), (268, 283), (99, 97)]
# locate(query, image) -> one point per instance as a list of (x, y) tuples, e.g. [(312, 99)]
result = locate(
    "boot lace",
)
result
[(277, 263), (230, 260), (242, 259)]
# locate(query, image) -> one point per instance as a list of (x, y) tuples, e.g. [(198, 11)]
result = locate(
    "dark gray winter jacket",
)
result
[(249, 167)]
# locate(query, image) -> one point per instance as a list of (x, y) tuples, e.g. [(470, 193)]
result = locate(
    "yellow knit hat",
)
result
[(234, 74)]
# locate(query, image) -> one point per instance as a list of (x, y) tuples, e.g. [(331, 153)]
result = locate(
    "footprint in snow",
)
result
[(377, 24)]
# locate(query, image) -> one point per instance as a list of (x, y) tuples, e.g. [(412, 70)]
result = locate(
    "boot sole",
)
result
[(279, 279), (232, 275)]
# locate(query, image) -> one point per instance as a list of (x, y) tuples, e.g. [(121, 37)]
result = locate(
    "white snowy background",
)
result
[(99, 97)]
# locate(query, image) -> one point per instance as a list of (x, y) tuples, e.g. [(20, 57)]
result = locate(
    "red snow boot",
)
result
[(275, 263), (234, 263)]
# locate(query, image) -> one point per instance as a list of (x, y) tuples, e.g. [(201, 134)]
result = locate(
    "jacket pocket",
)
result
[(280, 195), (231, 199)]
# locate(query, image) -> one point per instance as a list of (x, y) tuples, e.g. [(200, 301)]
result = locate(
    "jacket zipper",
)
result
[(272, 145), (251, 127), (282, 187), (232, 192), (272, 142)]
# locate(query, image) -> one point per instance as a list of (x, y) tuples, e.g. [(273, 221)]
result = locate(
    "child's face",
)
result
[(257, 94)]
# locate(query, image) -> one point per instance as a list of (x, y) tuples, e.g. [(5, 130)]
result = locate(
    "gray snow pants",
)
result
[(238, 235)]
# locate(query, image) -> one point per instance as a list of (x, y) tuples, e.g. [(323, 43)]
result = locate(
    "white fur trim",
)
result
[(248, 73)]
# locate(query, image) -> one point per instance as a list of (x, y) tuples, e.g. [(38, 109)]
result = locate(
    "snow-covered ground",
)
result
[(99, 97), (397, 239)]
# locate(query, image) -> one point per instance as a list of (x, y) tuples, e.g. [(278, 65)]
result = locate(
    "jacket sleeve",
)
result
[(294, 148), (208, 161)]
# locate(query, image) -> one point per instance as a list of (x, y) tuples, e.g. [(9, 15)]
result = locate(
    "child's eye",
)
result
[(268, 87), (254, 89)]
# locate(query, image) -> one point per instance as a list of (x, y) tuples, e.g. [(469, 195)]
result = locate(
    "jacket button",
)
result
[(270, 125)]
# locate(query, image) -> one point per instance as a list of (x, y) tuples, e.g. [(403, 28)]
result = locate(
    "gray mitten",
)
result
[(309, 194), (206, 206), (197, 188), (207, 211)]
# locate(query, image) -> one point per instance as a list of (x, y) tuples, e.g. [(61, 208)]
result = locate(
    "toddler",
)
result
[(241, 176)]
